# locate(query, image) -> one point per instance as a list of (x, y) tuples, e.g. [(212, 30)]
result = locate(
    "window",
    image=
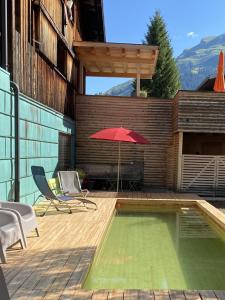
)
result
[(64, 151), (17, 15), (61, 58), (36, 27)]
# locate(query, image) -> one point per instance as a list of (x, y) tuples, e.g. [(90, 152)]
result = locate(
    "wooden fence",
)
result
[(150, 117), (203, 174)]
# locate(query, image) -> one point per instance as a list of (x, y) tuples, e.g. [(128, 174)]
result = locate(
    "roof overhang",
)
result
[(91, 19), (207, 84), (117, 60)]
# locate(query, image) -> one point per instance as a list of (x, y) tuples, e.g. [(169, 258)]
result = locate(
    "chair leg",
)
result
[(42, 215), (3, 255), (22, 244), (37, 232)]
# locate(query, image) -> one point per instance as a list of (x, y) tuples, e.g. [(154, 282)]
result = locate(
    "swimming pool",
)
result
[(176, 249)]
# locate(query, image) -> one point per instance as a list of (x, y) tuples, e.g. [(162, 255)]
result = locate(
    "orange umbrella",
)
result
[(219, 85)]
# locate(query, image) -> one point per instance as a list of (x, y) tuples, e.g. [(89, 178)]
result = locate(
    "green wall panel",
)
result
[(39, 134)]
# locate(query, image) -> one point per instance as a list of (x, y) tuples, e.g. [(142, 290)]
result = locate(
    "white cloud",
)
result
[(192, 34)]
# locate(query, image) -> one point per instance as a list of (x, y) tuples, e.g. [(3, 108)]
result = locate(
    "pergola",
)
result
[(117, 60)]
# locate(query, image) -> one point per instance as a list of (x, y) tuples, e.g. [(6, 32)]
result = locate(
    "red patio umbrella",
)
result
[(219, 85), (119, 134)]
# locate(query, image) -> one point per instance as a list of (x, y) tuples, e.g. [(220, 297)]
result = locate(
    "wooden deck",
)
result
[(54, 265)]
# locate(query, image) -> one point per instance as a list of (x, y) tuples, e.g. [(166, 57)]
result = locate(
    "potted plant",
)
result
[(81, 174)]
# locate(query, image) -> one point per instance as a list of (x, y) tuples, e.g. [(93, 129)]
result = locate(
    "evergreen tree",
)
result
[(166, 80)]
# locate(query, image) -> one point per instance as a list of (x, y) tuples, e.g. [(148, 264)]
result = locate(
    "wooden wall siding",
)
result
[(149, 117), (200, 112), (203, 174), (69, 34), (172, 162), (35, 76), (48, 40), (55, 11), (71, 69)]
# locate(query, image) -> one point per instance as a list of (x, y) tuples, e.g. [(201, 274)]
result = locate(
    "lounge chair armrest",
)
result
[(16, 214), (7, 217), (19, 207)]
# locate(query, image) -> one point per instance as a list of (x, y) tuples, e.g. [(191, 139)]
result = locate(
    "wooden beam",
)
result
[(138, 85), (144, 48), (81, 79), (179, 168), (123, 75), (100, 58)]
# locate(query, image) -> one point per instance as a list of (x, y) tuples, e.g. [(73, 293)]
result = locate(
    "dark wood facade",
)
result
[(42, 60)]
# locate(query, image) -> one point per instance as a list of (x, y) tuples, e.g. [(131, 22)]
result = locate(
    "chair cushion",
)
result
[(65, 198)]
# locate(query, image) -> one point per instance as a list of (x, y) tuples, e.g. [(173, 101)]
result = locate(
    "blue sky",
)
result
[(187, 23)]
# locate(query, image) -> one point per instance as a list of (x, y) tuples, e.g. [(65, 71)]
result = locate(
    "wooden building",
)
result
[(54, 45), (198, 142), (42, 60)]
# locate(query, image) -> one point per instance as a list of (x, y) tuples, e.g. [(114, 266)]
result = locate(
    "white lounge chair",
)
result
[(10, 232), (70, 185), (25, 215)]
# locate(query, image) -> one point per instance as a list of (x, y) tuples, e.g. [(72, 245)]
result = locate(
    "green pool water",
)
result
[(158, 250)]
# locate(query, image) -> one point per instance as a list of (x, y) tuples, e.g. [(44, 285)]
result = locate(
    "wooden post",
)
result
[(81, 79), (179, 166), (138, 85)]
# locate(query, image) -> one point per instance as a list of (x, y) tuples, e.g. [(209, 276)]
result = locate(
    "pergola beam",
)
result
[(117, 60)]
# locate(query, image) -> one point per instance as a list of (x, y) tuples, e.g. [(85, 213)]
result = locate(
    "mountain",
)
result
[(123, 89), (199, 62), (194, 64)]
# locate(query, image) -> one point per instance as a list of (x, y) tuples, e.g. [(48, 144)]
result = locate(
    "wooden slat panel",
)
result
[(48, 40), (149, 117), (203, 174), (55, 11), (199, 112)]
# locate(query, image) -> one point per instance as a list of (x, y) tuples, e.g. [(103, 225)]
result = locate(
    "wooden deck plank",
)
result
[(161, 295), (145, 295), (192, 295), (176, 295), (100, 295), (208, 295), (130, 295), (115, 295), (220, 295)]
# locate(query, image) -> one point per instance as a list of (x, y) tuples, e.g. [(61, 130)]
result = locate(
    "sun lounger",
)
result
[(47, 193), (70, 185)]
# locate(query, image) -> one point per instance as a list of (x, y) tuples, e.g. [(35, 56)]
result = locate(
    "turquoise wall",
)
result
[(39, 131)]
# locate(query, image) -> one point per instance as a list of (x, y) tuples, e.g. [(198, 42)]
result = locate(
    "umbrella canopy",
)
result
[(119, 134), (219, 85)]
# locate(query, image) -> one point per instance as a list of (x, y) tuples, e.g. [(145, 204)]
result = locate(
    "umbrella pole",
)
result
[(118, 171)]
